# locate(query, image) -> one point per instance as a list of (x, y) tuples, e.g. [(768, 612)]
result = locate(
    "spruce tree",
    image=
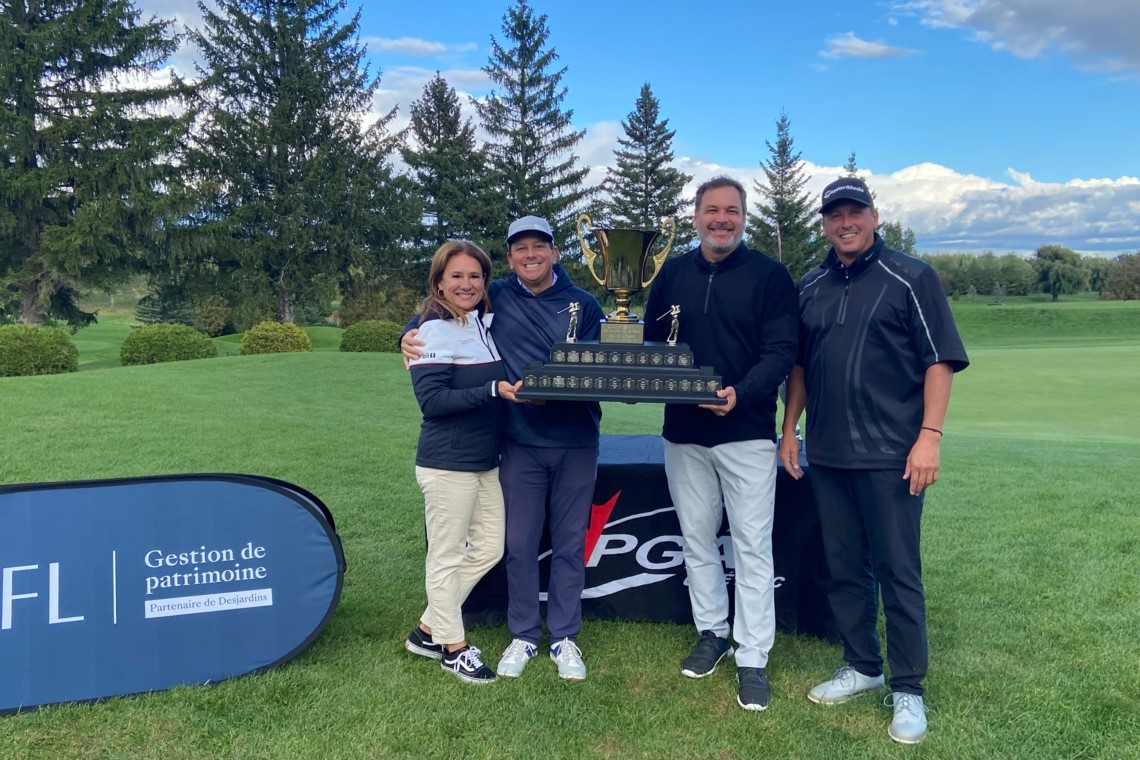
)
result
[(531, 146), (643, 186), (281, 149), (851, 170), (785, 222), (450, 172), (87, 154)]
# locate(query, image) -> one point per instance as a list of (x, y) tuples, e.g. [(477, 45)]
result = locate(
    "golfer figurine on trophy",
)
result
[(675, 325), (572, 328)]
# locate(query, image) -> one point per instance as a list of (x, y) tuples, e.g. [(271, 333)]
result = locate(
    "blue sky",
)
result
[(981, 124)]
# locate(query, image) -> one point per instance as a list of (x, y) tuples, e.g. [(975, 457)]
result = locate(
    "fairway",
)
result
[(1031, 555)]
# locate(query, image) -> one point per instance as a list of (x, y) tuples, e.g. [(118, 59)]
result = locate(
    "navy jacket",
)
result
[(455, 383), (868, 333), (526, 327), (738, 317)]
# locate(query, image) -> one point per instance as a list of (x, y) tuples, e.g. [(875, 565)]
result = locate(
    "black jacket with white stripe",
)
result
[(868, 333), (455, 384)]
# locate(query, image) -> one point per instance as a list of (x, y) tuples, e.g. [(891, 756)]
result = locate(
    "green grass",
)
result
[(1031, 552), (1031, 321)]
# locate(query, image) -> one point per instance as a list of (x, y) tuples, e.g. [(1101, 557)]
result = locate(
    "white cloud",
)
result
[(401, 86), (1097, 34), (849, 46), (952, 211), (415, 46)]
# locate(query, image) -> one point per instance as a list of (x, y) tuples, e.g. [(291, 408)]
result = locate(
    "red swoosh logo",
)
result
[(599, 516)]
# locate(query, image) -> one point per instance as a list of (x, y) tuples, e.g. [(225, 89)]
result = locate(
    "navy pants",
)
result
[(530, 476), (870, 526)]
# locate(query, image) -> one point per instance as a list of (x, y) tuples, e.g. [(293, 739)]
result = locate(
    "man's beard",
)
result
[(729, 247)]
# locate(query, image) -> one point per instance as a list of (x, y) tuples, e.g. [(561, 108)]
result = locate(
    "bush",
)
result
[(274, 338), (372, 335), (213, 315), (155, 344), (35, 350)]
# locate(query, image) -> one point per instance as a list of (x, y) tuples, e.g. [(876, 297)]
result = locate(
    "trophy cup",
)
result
[(624, 256), (620, 366)]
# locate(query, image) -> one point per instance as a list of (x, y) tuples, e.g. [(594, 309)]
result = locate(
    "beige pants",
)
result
[(465, 530)]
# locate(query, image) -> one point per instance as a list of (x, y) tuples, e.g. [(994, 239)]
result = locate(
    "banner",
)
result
[(124, 586)]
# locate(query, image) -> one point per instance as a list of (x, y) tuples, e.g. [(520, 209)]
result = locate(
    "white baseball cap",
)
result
[(529, 224)]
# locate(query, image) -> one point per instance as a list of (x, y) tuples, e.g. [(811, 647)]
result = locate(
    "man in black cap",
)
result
[(878, 350), (549, 451)]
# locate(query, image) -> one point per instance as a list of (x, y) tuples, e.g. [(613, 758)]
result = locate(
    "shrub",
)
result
[(154, 344), (35, 350), (372, 335), (213, 315), (274, 338)]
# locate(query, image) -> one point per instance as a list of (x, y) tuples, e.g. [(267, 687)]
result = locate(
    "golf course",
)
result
[(1031, 553)]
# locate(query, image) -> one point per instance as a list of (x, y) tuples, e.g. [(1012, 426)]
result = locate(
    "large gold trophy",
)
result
[(625, 254), (620, 366)]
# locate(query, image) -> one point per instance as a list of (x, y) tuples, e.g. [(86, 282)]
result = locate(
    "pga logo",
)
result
[(659, 557)]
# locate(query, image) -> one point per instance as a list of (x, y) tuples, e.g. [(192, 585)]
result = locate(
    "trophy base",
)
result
[(628, 372)]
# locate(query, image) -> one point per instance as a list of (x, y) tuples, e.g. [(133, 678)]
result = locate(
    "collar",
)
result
[(730, 260), (553, 274), (866, 259)]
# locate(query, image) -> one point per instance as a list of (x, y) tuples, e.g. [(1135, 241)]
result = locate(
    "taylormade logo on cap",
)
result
[(532, 224), (828, 193), (846, 189)]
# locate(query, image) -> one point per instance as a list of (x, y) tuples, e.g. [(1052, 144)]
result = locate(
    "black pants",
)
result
[(870, 526)]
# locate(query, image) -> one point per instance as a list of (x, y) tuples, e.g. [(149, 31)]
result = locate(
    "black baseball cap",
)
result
[(846, 189)]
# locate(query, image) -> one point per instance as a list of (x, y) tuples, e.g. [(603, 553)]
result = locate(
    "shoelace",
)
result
[(844, 676), (518, 648), (569, 651), (905, 701), (470, 659)]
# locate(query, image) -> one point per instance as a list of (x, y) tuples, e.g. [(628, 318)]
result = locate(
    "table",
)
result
[(634, 563)]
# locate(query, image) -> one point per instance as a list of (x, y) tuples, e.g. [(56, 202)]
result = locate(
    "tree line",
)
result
[(265, 188)]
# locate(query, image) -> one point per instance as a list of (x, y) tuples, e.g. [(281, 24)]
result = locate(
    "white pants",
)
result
[(746, 473), (465, 530)]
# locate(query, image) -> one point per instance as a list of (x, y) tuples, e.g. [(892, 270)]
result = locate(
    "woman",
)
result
[(458, 382)]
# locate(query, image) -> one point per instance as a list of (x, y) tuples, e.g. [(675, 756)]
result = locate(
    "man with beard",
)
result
[(738, 315)]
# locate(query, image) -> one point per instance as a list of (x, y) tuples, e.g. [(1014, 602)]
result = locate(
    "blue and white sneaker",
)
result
[(422, 644), (466, 665), (568, 657), (515, 657)]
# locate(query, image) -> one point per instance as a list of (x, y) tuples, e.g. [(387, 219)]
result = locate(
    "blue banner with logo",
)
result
[(124, 586)]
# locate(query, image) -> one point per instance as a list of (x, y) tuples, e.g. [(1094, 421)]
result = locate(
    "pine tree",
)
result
[(87, 156), (643, 186), (851, 170), (531, 142), (282, 149), (785, 223), (451, 174)]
